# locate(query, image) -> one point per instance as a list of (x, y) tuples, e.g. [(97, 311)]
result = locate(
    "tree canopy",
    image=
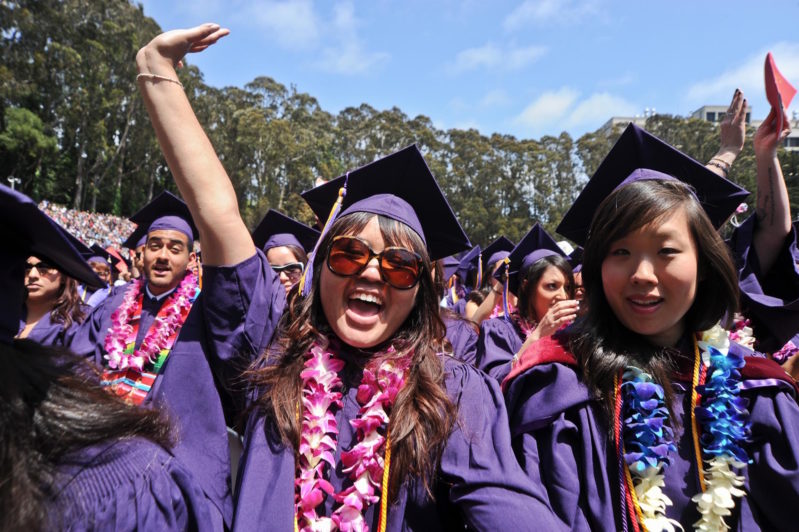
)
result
[(74, 130)]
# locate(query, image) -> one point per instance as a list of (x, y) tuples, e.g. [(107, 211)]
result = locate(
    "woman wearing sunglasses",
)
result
[(285, 242), (357, 421), (52, 304)]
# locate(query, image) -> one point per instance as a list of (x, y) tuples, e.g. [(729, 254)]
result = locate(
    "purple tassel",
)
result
[(306, 281), (505, 308)]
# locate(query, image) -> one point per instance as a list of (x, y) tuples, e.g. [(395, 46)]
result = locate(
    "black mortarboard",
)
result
[(401, 187), (276, 229), (167, 211), (576, 259), (495, 252), (28, 231), (97, 252), (471, 261), (638, 155), (137, 238), (535, 245), (449, 265)]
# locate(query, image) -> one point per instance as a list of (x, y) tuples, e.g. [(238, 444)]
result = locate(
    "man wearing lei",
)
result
[(150, 340)]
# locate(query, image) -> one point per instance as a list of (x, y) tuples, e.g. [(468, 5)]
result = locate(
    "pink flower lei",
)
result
[(122, 333), (364, 463)]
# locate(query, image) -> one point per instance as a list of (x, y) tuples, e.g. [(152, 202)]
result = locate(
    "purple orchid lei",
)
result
[(363, 464)]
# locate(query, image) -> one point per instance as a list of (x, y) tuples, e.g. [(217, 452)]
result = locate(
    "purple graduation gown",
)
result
[(561, 438), (478, 481), (478, 476), (769, 299), (126, 485), (47, 332), (187, 389), (499, 340), (462, 336)]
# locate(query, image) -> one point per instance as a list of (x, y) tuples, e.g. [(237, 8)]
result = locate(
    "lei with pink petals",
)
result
[(121, 338), (741, 333), (364, 463)]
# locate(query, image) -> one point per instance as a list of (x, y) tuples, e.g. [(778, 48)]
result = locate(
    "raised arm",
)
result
[(773, 205), (199, 174), (733, 133)]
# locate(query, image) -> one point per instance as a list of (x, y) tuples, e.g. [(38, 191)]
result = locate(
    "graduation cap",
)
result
[(535, 245), (28, 231), (471, 261), (276, 229), (398, 186), (137, 238), (167, 212), (450, 266), (636, 156), (495, 252), (779, 91), (575, 259)]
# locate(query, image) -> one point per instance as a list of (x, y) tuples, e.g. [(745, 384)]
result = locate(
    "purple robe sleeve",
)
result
[(88, 338), (561, 444), (463, 337), (773, 487), (770, 299), (245, 304), (496, 345), (478, 463), (128, 485)]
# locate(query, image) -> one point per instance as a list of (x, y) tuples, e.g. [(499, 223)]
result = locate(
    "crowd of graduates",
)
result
[(380, 372)]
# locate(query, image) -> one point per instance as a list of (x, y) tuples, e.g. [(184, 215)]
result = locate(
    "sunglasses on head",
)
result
[(399, 267), (41, 267), (293, 270)]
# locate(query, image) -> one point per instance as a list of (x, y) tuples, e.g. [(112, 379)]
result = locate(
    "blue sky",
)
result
[(524, 67)]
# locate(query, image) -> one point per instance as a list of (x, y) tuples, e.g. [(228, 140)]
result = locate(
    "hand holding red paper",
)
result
[(779, 91)]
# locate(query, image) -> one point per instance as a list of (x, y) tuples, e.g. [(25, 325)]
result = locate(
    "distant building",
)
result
[(792, 142), (607, 127), (711, 113), (716, 113)]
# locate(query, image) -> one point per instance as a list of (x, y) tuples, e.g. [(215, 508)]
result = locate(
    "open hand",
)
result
[(733, 127), (172, 45)]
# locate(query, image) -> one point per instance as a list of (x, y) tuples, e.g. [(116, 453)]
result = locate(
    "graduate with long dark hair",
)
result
[(643, 415), (358, 420)]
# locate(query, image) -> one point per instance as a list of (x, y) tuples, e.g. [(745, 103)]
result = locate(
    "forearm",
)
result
[(773, 211), (198, 173), (486, 307)]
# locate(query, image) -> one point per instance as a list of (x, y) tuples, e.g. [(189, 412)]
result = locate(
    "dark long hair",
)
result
[(51, 403), (422, 415), (602, 345), (68, 307), (528, 282)]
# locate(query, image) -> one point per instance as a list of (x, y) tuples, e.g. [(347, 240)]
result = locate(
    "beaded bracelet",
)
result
[(719, 165), (151, 77)]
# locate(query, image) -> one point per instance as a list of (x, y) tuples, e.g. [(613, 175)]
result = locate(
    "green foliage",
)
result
[(75, 131)]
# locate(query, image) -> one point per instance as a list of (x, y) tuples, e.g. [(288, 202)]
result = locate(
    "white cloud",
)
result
[(748, 76), (491, 56), (597, 109), (556, 111), (292, 24), (549, 11), (495, 98), (346, 54), (548, 108)]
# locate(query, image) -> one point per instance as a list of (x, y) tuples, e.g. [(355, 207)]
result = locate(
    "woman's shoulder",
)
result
[(128, 480)]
